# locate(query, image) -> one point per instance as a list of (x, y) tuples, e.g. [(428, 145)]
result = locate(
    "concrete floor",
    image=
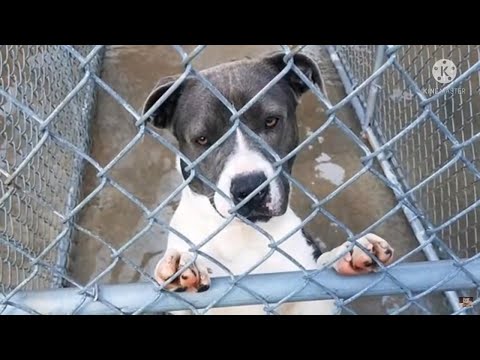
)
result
[(147, 172)]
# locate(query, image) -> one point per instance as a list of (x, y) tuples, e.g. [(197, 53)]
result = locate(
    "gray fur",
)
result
[(193, 111)]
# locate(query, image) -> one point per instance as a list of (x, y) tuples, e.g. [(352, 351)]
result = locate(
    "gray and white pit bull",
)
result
[(238, 167)]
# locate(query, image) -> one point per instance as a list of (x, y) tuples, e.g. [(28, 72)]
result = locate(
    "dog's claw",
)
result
[(195, 278), (203, 288), (359, 262)]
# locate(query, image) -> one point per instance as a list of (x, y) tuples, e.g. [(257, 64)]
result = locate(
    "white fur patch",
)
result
[(245, 160)]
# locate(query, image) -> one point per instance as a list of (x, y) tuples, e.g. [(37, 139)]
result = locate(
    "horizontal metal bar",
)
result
[(418, 276)]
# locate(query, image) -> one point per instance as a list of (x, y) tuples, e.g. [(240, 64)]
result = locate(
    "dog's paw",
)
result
[(357, 261), (195, 278)]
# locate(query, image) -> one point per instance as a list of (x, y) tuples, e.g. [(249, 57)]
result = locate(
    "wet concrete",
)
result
[(147, 172)]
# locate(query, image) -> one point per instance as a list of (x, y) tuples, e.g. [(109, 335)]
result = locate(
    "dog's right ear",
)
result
[(307, 66), (162, 117)]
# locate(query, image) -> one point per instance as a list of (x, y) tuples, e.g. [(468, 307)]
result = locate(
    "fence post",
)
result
[(373, 91)]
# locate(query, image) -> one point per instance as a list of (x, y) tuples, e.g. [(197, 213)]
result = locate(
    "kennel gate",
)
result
[(423, 132)]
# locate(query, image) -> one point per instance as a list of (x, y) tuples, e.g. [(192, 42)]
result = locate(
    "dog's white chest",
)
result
[(238, 247), (242, 249)]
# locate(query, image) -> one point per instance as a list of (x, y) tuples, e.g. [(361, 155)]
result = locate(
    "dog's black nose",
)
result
[(244, 185)]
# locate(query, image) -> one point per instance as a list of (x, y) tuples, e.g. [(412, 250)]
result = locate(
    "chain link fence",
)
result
[(419, 137), (45, 98)]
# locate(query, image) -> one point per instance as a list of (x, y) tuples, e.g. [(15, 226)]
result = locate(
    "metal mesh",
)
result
[(39, 178), (431, 129), (427, 148), (422, 147)]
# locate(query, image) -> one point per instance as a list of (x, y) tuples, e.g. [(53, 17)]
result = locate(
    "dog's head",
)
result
[(197, 119)]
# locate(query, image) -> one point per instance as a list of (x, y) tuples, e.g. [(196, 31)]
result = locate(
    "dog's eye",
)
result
[(202, 140), (271, 122)]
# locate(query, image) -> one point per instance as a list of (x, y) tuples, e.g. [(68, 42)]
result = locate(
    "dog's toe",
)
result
[(381, 248), (193, 278), (359, 262), (375, 245)]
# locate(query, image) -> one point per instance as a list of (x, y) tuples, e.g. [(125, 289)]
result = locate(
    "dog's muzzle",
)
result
[(256, 208)]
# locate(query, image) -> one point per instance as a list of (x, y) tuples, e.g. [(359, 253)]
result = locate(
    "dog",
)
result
[(238, 168)]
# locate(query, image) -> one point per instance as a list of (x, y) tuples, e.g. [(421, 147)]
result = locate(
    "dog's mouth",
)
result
[(249, 212), (258, 218)]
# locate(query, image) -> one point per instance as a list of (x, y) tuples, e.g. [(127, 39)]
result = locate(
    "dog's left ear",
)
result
[(306, 65), (162, 117)]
